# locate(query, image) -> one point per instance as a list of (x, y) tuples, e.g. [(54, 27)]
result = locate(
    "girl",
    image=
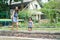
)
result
[(15, 18), (30, 24)]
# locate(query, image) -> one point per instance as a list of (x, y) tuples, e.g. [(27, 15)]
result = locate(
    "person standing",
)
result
[(15, 18), (30, 24)]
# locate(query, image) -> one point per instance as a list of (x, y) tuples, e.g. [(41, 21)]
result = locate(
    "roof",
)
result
[(35, 12), (19, 5), (19, 2), (38, 13)]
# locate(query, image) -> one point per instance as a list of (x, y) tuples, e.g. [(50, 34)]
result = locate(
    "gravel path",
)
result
[(21, 38), (30, 34)]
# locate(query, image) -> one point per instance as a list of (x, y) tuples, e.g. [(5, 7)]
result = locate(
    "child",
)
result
[(30, 24)]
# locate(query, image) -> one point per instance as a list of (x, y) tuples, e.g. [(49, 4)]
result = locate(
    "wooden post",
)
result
[(22, 6)]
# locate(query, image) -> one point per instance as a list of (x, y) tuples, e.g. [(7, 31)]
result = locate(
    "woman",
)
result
[(15, 18)]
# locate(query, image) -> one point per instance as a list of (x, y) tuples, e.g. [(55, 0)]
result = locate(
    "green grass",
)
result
[(37, 26), (43, 29)]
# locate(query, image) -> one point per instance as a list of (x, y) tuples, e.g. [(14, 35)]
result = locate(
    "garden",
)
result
[(51, 11)]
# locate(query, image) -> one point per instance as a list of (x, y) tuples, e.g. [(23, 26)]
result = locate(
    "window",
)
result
[(36, 5), (43, 16)]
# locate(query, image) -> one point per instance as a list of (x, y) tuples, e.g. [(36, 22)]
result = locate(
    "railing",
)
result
[(5, 21)]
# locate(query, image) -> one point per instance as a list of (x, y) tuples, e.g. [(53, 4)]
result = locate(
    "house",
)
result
[(19, 3), (31, 5), (44, 1), (34, 6)]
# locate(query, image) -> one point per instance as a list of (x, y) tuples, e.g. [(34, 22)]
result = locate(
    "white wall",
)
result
[(44, 1), (32, 5), (27, 0)]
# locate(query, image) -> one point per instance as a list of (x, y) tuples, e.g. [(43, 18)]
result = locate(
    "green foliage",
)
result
[(24, 14), (50, 5), (4, 9), (57, 4), (49, 10), (3, 5), (39, 25), (52, 11)]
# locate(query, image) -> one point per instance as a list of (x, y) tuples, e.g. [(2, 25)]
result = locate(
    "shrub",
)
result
[(24, 14)]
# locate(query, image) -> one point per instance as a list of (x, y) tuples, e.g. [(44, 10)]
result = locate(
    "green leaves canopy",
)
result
[(24, 14), (49, 9)]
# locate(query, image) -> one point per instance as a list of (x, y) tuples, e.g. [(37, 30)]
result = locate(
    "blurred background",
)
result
[(45, 13)]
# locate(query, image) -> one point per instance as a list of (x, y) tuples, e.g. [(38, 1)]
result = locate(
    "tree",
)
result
[(49, 10), (24, 14), (52, 11), (4, 8)]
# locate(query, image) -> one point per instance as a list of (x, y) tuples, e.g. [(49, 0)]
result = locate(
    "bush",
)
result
[(24, 14), (23, 24)]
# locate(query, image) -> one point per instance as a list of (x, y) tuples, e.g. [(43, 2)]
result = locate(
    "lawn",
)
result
[(37, 26), (38, 29)]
